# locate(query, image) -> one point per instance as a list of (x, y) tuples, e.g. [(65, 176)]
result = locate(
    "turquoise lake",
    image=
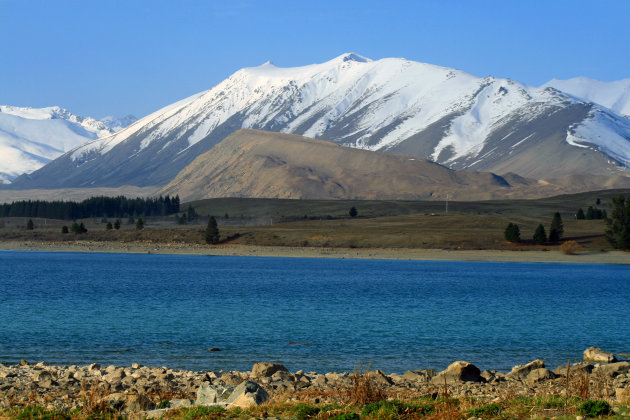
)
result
[(319, 315)]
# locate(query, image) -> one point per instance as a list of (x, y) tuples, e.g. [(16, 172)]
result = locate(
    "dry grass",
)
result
[(364, 389), (569, 247)]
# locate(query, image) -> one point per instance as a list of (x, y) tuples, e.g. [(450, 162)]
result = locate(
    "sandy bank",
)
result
[(540, 256)]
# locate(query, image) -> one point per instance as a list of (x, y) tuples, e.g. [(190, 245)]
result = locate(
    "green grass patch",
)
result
[(40, 413), (488, 410)]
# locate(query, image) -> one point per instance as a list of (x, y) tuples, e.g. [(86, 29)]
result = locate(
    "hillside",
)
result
[(251, 163)]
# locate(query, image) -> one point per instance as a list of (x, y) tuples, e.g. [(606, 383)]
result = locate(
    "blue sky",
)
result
[(101, 58)]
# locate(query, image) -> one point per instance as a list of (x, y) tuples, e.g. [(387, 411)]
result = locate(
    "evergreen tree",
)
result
[(618, 232), (30, 225), (117, 224), (512, 233), (212, 231), (192, 214), (139, 224), (82, 228), (540, 237), (580, 214), (556, 230), (64, 229), (590, 213), (108, 226), (353, 212), (74, 228)]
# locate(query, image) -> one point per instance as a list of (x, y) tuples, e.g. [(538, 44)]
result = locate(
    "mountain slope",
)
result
[(32, 137), (613, 95), (394, 105), (259, 164)]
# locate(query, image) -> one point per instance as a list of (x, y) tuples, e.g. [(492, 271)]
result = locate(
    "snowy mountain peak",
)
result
[(32, 137), (613, 95), (392, 104)]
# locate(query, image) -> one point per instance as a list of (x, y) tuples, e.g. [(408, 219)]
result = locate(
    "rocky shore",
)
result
[(154, 390)]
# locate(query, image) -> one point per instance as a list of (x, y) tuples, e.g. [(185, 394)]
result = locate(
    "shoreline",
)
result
[(530, 256)]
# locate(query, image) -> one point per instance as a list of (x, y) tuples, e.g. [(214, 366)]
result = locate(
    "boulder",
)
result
[(458, 372), (597, 355), (180, 403), (521, 371), (138, 402), (267, 369), (247, 394), (612, 369), (44, 379), (539, 375), (207, 394), (578, 367)]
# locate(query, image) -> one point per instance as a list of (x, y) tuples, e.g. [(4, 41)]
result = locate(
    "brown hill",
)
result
[(252, 163)]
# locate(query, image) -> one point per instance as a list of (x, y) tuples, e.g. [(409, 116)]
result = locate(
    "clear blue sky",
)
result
[(107, 57)]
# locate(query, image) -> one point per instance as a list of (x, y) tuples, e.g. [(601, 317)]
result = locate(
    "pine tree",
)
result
[(512, 233), (74, 228), (82, 228), (556, 230), (212, 231), (139, 224), (580, 214), (590, 213), (64, 229), (117, 224), (108, 226), (540, 237), (30, 225), (618, 232), (353, 212)]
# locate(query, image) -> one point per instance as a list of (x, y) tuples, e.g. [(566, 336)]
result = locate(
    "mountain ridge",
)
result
[(393, 105)]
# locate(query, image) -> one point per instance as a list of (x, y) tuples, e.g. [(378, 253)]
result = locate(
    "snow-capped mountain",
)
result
[(613, 95), (32, 137), (393, 105)]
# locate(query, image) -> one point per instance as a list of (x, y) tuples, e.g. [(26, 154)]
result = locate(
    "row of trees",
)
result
[(512, 232), (592, 213), (92, 207), (618, 225)]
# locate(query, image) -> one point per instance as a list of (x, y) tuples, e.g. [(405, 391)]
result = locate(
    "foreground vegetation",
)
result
[(376, 224)]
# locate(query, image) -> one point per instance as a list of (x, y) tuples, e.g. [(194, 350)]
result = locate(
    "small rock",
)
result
[(44, 379), (597, 355), (180, 403), (538, 375), (612, 369), (214, 349)]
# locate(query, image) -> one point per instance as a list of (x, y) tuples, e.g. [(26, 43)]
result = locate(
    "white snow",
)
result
[(606, 131), (613, 95), (32, 137)]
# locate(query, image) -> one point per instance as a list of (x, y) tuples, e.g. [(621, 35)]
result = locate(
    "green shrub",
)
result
[(393, 409), (594, 408), (485, 410), (303, 411)]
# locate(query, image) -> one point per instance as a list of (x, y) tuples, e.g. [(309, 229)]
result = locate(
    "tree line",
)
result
[(92, 207)]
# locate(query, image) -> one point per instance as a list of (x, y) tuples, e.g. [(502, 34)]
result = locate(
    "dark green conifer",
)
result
[(212, 231), (540, 237), (512, 233), (556, 230)]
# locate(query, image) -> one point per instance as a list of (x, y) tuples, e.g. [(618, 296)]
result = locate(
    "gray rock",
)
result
[(114, 375), (578, 367), (247, 394), (180, 403), (207, 394), (267, 369), (538, 375), (597, 355), (521, 371), (612, 369), (44, 379), (458, 372), (138, 402)]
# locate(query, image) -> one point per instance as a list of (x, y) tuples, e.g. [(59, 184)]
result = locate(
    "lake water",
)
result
[(313, 314)]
